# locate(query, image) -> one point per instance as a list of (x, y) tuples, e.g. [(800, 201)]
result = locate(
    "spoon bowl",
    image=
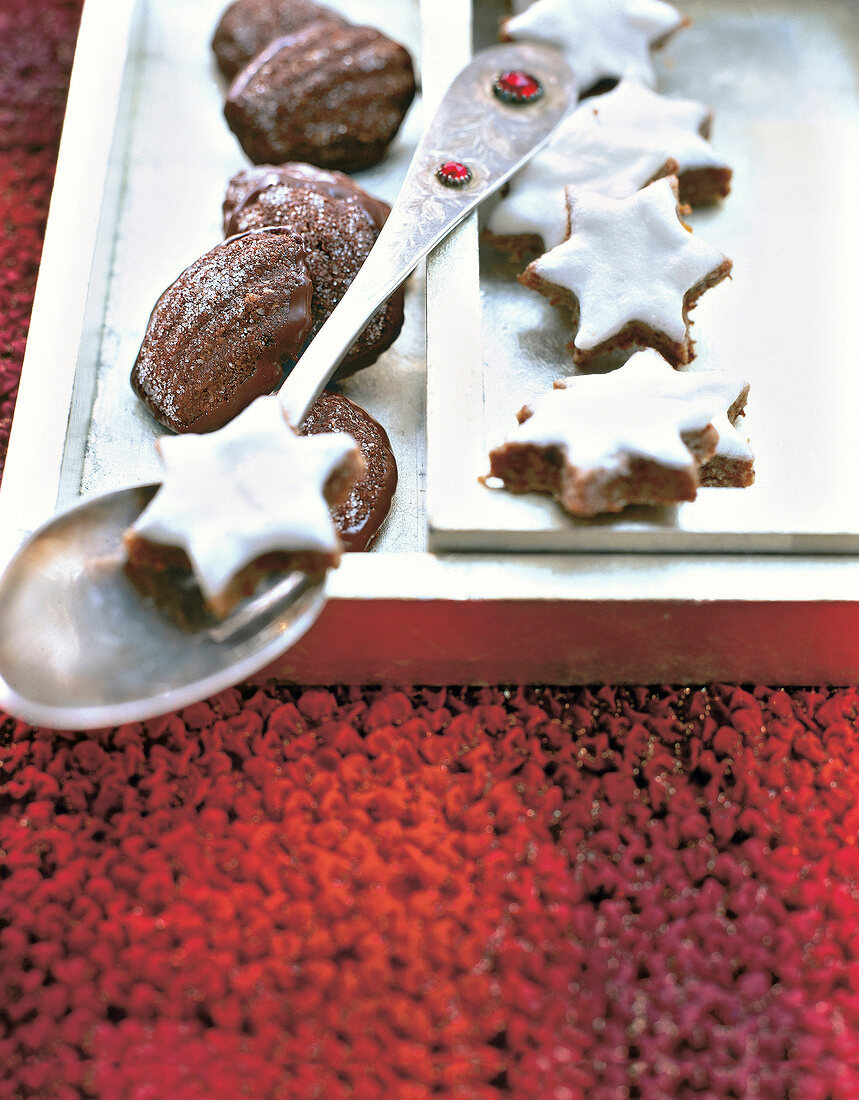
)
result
[(80, 648)]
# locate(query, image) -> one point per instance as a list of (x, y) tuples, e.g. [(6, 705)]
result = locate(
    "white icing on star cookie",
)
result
[(642, 408), (731, 444), (733, 463), (612, 161), (601, 424), (631, 103), (251, 487), (599, 38), (630, 270), (679, 126), (613, 144)]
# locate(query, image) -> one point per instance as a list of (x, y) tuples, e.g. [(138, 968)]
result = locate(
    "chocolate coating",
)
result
[(359, 517), (247, 26), (247, 186), (219, 334), (328, 94), (338, 223)]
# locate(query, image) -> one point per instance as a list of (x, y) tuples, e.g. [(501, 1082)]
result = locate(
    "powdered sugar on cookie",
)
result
[(629, 271)]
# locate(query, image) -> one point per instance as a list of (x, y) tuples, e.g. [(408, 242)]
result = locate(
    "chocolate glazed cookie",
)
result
[(331, 95), (359, 517), (219, 334), (338, 222), (246, 186), (247, 26)]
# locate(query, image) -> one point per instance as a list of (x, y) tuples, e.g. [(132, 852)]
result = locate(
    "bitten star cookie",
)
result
[(630, 271), (635, 436), (599, 38), (680, 127), (249, 499), (733, 464), (613, 161)]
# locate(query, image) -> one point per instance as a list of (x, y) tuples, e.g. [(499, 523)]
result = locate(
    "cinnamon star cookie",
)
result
[(679, 126), (638, 435), (248, 500), (629, 271)]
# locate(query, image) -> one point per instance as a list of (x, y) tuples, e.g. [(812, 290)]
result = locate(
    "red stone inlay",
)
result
[(453, 173), (517, 86)]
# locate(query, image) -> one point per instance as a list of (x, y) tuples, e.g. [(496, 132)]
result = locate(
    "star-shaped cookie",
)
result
[(630, 271), (612, 161), (733, 463), (637, 435), (679, 127), (599, 38), (253, 488)]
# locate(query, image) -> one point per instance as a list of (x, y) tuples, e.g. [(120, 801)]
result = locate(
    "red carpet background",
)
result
[(543, 894)]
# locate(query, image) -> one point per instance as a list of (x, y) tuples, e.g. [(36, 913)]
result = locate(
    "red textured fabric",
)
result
[(551, 894), (539, 895), (36, 49)]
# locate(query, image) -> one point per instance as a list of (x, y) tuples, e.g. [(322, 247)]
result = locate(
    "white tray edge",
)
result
[(68, 275)]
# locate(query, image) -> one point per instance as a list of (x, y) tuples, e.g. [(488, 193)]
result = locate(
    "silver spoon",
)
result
[(79, 648)]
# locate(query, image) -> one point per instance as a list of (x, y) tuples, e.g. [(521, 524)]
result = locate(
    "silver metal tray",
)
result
[(143, 164)]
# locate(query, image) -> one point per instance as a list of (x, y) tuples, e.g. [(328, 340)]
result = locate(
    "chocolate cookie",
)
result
[(337, 222), (248, 185), (328, 94), (247, 26), (359, 517), (219, 334)]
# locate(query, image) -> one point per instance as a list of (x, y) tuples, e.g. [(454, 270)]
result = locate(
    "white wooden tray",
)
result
[(144, 161)]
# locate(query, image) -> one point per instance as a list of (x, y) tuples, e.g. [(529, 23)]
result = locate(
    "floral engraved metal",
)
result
[(471, 127), (477, 128)]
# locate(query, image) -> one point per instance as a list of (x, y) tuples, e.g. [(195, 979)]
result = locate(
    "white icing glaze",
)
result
[(613, 144), (731, 444), (248, 488), (628, 260), (612, 161), (631, 103), (599, 38), (672, 125), (640, 409)]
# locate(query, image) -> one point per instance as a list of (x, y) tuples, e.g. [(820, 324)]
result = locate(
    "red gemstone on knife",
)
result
[(453, 173), (517, 86)]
